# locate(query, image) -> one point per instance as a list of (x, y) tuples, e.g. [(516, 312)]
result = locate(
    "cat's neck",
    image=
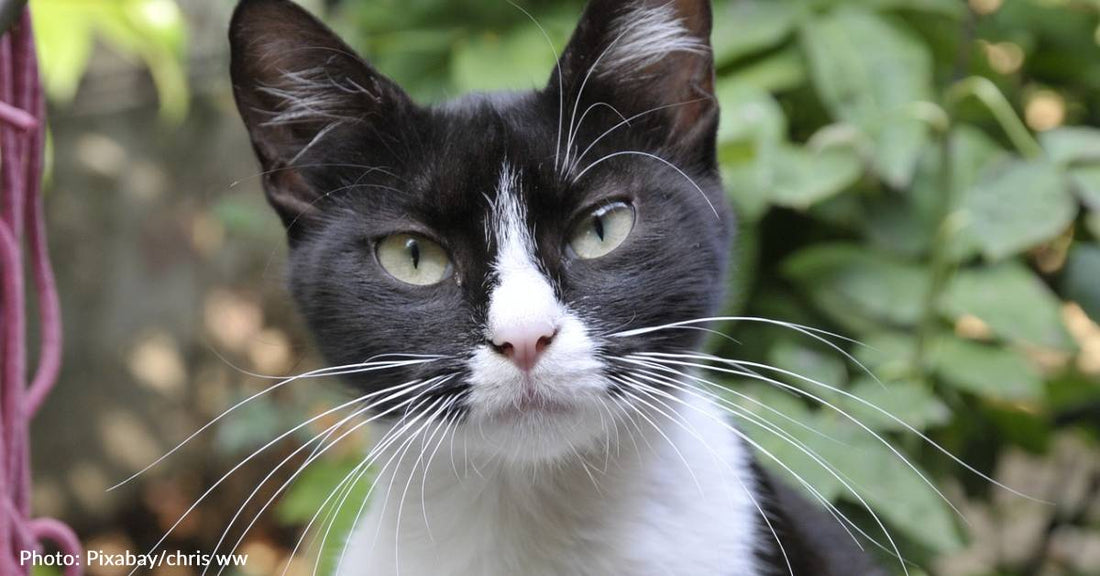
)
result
[(640, 504)]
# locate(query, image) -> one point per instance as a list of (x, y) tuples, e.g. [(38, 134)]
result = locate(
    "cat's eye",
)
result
[(602, 231), (413, 259)]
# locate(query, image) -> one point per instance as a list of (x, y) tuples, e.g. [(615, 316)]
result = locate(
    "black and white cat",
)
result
[(526, 255)]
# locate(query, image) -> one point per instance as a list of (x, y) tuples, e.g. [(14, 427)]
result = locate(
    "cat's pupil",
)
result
[(597, 223), (413, 248)]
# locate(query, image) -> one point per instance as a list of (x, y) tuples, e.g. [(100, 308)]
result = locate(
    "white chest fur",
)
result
[(674, 502)]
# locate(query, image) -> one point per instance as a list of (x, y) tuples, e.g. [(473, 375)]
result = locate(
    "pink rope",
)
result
[(22, 125)]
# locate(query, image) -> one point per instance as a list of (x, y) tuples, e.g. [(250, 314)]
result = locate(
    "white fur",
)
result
[(576, 484), (646, 514), (311, 95), (522, 293), (646, 35)]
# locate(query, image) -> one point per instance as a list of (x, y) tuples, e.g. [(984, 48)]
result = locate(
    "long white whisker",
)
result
[(815, 333), (217, 483), (580, 93), (557, 69), (680, 455), (652, 157), (624, 122), (431, 384), (874, 407), (778, 431), (367, 366), (723, 402), (644, 389), (896, 551)]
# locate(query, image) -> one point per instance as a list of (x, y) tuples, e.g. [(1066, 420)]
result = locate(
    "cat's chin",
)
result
[(537, 431)]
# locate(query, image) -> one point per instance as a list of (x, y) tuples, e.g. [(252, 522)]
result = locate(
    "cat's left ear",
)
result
[(652, 61)]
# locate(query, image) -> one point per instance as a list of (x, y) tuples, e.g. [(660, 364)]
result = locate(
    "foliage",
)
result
[(152, 31)]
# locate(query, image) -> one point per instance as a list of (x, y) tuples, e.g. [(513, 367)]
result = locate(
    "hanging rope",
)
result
[(23, 235)]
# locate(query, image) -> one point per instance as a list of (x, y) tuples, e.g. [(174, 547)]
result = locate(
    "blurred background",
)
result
[(922, 176)]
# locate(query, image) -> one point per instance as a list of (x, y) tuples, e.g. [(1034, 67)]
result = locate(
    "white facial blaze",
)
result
[(566, 374)]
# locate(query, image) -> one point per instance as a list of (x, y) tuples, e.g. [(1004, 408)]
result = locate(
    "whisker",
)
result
[(867, 404), (815, 333), (412, 474), (721, 400), (625, 122), (320, 372), (671, 444), (815, 398), (580, 92), (431, 384), (652, 157), (748, 493), (557, 69), (737, 412), (569, 145), (828, 505), (391, 437)]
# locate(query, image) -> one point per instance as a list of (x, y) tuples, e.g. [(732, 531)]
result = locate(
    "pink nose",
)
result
[(524, 344)]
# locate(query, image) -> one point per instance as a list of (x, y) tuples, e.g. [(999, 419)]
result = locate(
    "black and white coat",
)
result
[(590, 461)]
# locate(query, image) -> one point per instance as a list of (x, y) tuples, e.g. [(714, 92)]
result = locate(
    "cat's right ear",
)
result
[(301, 91)]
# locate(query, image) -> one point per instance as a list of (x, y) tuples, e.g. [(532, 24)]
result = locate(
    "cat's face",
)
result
[(504, 239)]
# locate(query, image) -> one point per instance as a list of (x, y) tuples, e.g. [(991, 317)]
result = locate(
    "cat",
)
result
[(520, 262)]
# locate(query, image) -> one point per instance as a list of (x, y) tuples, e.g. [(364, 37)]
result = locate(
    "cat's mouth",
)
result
[(532, 403)]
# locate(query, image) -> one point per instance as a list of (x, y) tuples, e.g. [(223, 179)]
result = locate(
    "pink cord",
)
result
[(22, 126)]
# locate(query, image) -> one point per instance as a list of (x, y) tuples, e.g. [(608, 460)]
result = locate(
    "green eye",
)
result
[(602, 231), (413, 259)]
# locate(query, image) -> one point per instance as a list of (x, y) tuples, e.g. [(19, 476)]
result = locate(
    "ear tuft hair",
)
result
[(644, 36), (650, 61), (296, 85)]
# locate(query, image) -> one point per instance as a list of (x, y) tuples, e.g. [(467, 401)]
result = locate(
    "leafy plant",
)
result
[(152, 31)]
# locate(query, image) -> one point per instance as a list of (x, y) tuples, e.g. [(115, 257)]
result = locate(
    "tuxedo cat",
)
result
[(530, 258)]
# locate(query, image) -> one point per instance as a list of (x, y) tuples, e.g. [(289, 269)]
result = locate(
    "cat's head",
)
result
[(506, 239)]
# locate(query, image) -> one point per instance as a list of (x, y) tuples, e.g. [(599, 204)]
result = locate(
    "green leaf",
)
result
[(786, 175), (911, 402), (869, 71), (1071, 144), (893, 490), (860, 288), (1010, 299), (942, 7), (65, 38), (1086, 184), (972, 153), (1081, 282), (779, 454), (310, 490), (1018, 205), (823, 365), (986, 370), (749, 114), (889, 355), (517, 61), (801, 177), (779, 72), (751, 26)]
